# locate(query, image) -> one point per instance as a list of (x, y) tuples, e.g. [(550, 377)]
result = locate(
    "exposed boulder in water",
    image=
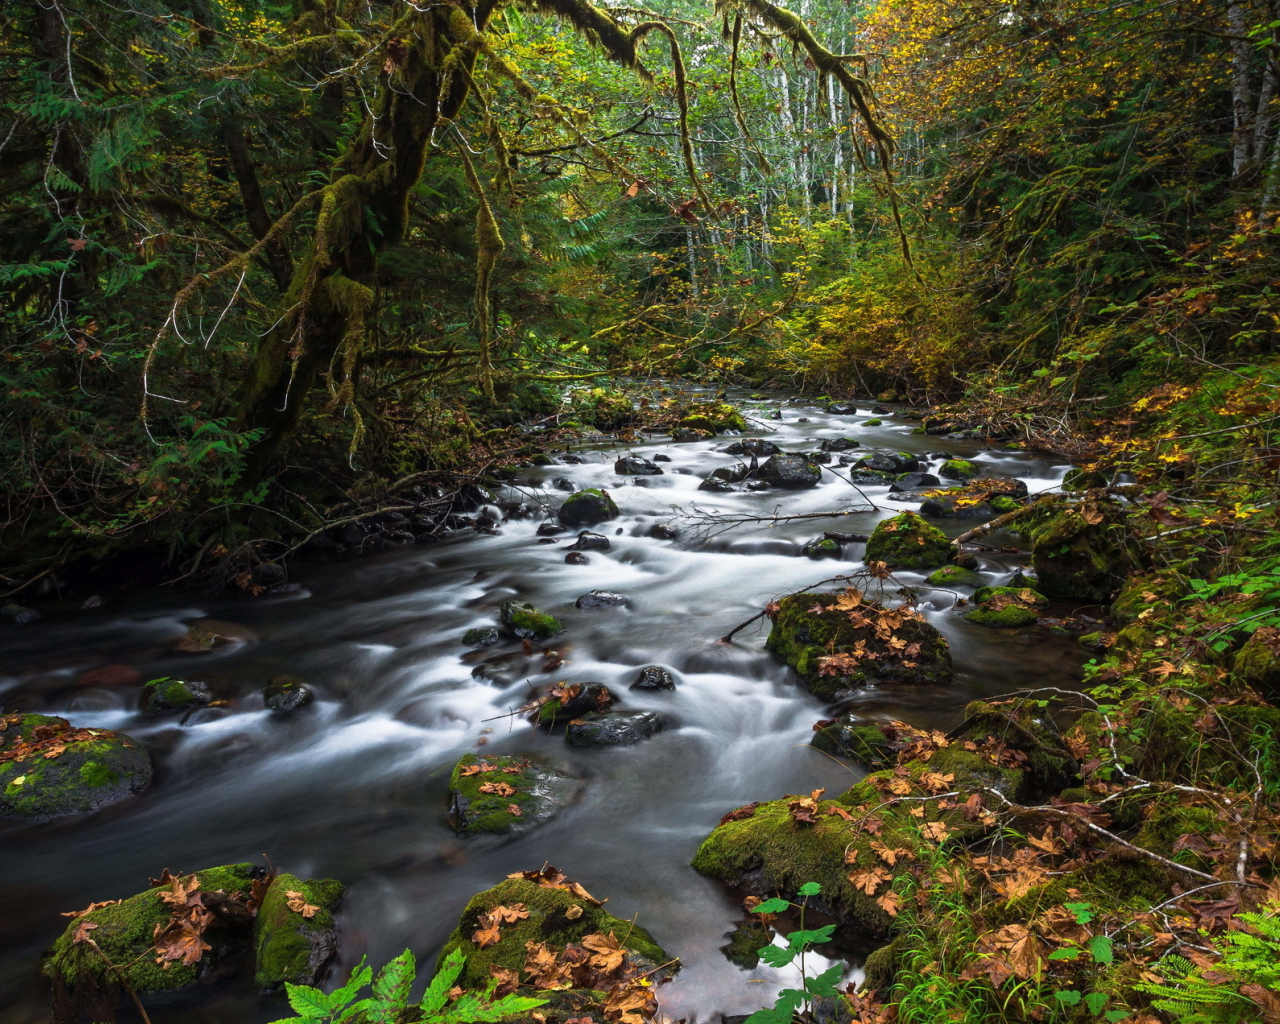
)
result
[(566, 701), (524, 621), (294, 935), (838, 444), (497, 794), (907, 542), (1006, 607), (587, 508), (871, 743), (633, 465), (663, 531), (560, 914), (842, 408), (287, 693), (958, 469), (683, 435), (549, 529), (588, 541), (955, 576), (757, 446), (717, 485), (481, 636), (847, 644), (613, 729), (730, 474), (821, 547), (576, 558), (52, 770), (715, 417), (654, 677), (914, 481), (793, 472), (601, 599), (166, 694)]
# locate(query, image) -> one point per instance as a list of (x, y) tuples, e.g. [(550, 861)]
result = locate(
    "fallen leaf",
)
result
[(299, 905)]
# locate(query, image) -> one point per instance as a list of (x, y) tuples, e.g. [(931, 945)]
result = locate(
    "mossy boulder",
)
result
[(907, 542), (1257, 663), (1010, 616), (604, 408), (955, 576), (1078, 479), (566, 701), (845, 626), (1180, 833), (587, 507), (1157, 592), (1021, 732), (1082, 554), (166, 694), (791, 472), (288, 945), (821, 547), (1003, 503), (958, 469), (769, 849), (854, 737), (125, 931), (50, 770), (716, 417), (522, 620), (557, 916), (287, 693), (500, 794), (1006, 607)]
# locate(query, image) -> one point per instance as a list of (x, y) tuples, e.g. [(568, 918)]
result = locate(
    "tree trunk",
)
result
[(1241, 108)]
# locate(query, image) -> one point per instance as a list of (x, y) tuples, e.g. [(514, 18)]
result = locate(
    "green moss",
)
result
[(125, 932), (908, 542), (745, 943), (86, 774), (958, 469), (588, 507), (166, 694), (523, 620), (1004, 595), (881, 967), (801, 637), (1158, 593), (1257, 664), (1166, 823), (1076, 558), (788, 853), (604, 408), (287, 946), (863, 743), (716, 417), (539, 790), (1003, 503), (1021, 726), (954, 576), (548, 922), (823, 547), (872, 423)]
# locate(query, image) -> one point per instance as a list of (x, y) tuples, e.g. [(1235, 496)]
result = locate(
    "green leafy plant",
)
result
[(790, 1000), (388, 1002)]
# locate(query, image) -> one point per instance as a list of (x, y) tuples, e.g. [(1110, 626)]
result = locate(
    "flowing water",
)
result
[(354, 787)]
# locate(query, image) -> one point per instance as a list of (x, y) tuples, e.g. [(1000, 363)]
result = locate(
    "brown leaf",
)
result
[(1267, 1000), (514, 810), (81, 934), (889, 903), (607, 954), (299, 905), (498, 788), (870, 879), (77, 914), (489, 932), (630, 1002), (507, 979), (179, 892), (510, 915), (741, 813)]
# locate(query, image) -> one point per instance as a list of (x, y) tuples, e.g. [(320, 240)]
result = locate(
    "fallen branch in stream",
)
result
[(722, 521)]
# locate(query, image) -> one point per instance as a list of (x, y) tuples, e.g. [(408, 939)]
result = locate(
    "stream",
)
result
[(354, 786)]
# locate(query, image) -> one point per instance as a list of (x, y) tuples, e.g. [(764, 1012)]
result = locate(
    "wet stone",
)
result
[(589, 507), (912, 481), (18, 614), (613, 729), (821, 547), (576, 558), (166, 694), (838, 444), (663, 531), (661, 458), (792, 472), (591, 542), (758, 446), (561, 483), (717, 485), (842, 409), (286, 693), (601, 599), (684, 434), (633, 465), (654, 677), (549, 529)]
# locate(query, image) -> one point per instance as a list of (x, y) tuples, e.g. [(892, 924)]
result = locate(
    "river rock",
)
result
[(566, 701), (167, 694), (875, 478), (268, 574), (601, 599), (287, 693), (588, 541), (758, 446), (481, 636), (792, 472), (952, 506), (838, 444), (587, 508), (818, 458), (821, 547), (525, 622), (654, 677), (18, 614), (958, 469), (880, 462), (1006, 607), (663, 531), (295, 946), (955, 576), (907, 542), (633, 465), (576, 558), (842, 408), (660, 457), (549, 529), (63, 770), (563, 483), (614, 729), (804, 637), (558, 916), (682, 435), (864, 741), (497, 793), (914, 481), (717, 485), (716, 417), (734, 474)]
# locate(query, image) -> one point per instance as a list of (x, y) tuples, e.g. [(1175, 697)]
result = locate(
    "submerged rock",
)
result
[(524, 621), (166, 694), (907, 542), (587, 508), (52, 770), (559, 914), (793, 472), (840, 647), (821, 547), (614, 729), (497, 793), (18, 614), (654, 677), (481, 636)]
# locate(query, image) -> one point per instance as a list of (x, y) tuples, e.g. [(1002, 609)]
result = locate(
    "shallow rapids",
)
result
[(354, 786)]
